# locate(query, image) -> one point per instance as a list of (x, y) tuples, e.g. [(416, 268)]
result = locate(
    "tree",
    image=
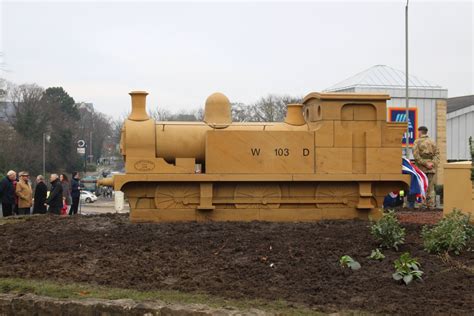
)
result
[(159, 114), (95, 128), (62, 126), (31, 115), (241, 112), (271, 108), (57, 97), (101, 131), (20, 136), (54, 112), (3, 88)]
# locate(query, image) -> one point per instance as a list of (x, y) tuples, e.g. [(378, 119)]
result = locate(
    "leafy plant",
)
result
[(388, 232), (376, 254), (451, 234), (347, 261), (407, 269)]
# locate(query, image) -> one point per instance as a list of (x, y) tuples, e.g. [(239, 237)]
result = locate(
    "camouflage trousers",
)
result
[(430, 192)]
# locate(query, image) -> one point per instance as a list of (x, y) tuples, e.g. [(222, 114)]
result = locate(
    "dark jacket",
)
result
[(392, 200), (41, 192), (7, 191), (75, 192), (55, 198)]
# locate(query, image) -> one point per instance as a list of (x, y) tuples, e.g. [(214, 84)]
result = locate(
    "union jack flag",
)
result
[(419, 180)]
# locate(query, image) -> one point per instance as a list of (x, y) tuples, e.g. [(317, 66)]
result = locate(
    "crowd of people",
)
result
[(18, 198)]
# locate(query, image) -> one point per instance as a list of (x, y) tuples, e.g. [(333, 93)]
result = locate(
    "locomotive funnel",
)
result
[(138, 106)]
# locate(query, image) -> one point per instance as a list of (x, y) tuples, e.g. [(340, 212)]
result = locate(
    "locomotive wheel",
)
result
[(345, 194), (258, 194), (169, 196)]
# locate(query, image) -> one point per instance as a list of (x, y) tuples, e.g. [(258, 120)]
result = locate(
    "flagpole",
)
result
[(407, 138)]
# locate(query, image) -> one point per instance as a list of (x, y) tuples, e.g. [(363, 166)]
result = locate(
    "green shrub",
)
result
[(451, 234), (388, 232), (347, 261), (406, 269), (376, 255)]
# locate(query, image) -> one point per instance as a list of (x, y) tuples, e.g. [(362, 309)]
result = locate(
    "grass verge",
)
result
[(83, 291), (12, 220)]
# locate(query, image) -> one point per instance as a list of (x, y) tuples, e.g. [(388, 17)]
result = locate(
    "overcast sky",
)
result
[(182, 52)]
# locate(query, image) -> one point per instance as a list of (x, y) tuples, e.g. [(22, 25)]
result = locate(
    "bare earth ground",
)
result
[(296, 262), (419, 215)]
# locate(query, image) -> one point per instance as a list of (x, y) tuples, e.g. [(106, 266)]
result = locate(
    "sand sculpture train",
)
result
[(335, 156)]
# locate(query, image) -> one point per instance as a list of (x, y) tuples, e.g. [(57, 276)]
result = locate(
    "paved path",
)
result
[(101, 206)]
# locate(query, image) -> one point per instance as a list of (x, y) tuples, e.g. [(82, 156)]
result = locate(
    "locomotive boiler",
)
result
[(335, 156)]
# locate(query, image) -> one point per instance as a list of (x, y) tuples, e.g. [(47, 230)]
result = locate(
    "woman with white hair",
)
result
[(55, 198)]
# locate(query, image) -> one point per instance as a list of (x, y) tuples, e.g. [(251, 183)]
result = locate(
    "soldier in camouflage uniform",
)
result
[(426, 155)]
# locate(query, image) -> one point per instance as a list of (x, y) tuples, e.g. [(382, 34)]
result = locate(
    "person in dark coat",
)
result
[(393, 199), (75, 193), (41, 193), (7, 193), (55, 199)]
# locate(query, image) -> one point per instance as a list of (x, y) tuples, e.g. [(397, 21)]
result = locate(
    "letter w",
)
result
[(255, 151)]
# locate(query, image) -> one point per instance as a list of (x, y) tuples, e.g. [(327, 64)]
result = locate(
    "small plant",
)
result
[(407, 269), (347, 261), (388, 232), (451, 234), (376, 255)]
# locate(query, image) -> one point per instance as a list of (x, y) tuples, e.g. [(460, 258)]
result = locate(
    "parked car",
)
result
[(88, 197)]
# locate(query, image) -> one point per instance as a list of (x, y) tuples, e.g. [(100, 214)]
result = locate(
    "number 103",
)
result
[(282, 152)]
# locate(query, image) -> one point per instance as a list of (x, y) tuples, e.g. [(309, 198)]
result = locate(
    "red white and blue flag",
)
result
[(419, 180)]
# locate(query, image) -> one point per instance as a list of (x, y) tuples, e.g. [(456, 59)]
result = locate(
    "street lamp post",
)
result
[(85, 159), (90, 148), (44, 154), (46, 138)]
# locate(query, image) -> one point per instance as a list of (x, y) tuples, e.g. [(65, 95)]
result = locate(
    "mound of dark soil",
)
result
[(419, 215), (297, 262)]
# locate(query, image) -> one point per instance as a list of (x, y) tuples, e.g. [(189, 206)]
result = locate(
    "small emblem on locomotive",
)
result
[(144, 165)]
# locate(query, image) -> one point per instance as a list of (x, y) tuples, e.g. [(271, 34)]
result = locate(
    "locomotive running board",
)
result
[(245, 215)]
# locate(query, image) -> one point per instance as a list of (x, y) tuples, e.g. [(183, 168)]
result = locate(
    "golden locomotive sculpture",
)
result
[(334, 157)]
